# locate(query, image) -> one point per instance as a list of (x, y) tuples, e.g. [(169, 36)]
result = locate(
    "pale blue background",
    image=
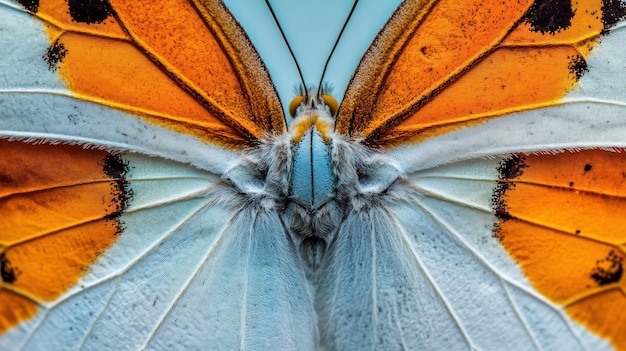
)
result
[(311, 28)]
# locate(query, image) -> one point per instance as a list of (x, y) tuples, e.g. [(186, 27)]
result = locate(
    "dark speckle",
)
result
[(90, 11), (578, 66), (571, 184), (55, 55), (72, 119), (115, 168), (587, 167), (30, 5), (608, 270), (7, 272), (6, 179), (613, 11), (510, 168), (550, 16)]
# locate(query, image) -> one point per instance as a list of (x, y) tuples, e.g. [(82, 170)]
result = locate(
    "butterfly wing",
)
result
[(488, 247), (433, 74), (104, 245)]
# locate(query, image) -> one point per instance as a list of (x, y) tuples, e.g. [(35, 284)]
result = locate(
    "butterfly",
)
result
[(156, 192)]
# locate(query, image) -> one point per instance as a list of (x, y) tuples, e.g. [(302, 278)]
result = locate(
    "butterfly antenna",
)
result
[(293, 57), (345, 24)]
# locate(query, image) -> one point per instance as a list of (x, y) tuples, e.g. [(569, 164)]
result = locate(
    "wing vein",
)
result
[(81, 345), (431, 280), (32, 332), (55, 138), (519, 314), (244, 300), (459, 239), (133, 262), (558, 309), (206, 126), (187, 284), (453, 200), (56, 187), (374, 279)]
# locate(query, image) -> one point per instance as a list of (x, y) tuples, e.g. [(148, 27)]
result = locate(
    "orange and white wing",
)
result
[(104, 75), (508, 120), (117, 120)]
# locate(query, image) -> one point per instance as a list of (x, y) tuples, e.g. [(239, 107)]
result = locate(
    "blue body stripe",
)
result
[(312, 175)]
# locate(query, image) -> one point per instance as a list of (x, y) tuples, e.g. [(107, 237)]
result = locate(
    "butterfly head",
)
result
[(313, 109)]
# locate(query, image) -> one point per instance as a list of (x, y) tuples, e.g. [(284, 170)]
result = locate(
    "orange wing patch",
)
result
[(563, 219), (442, 39), (59, 209), (495, 86), (452, 72), (199, 57), (14, 308), (165, 64)]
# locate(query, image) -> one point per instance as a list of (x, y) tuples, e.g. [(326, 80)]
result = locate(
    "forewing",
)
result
[(172, 66), (445, 66)]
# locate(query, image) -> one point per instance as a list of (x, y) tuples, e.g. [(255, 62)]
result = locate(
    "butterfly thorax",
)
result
[(313, 177), (312, 180)]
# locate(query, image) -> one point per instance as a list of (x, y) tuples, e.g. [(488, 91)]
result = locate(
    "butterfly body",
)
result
[(467, 193), (312, 176)]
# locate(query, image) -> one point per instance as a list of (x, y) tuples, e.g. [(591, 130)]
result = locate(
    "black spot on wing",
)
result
[(90, 11), (549, 16), (30, 5), (613, 11), (578, 66), (510, 168), (587, 167), (55, 55), (7, 272), (115, 168), (608, 270)]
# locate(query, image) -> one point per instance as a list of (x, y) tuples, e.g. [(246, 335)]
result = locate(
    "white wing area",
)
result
[(186, 273), (35, 104), (593, 115), (422, 270)]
